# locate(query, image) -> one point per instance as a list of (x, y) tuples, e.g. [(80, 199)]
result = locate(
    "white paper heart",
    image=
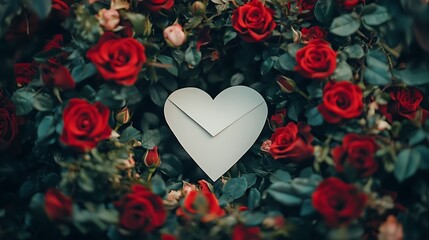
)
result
[(216, 133)]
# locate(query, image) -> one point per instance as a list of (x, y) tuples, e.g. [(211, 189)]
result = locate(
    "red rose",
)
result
[(201, 205), (141, 210), (157, 5), (349, 4), (54, 74), (292, 142), (151, 157), (85, 124), (118, 59), (8, 122), (168, 237), (277, 120), (338, 202), (24, 73), (341, 100), (312, 33), (241, 232), (316, 60), (357, 151), (57, 205), (55, 43), (404, 103), (60, 10), (253, 21), (306, 5)]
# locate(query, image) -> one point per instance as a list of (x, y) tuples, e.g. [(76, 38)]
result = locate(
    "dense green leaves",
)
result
[(345, 25), (23, 100), (406, 164), (324, 11), (377, 68), (41, 7), (374, 15), (234, 188)]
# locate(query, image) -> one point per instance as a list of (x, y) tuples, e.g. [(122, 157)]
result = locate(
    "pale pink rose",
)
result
[(108, 19), (391, 229), (174, 35)]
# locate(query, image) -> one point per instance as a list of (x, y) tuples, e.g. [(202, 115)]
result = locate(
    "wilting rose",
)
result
[(312, 33), (200, 205), (54, 74), (292, 142), (58, 206), (338, 202), (253, 21), (174, 35), (85, 124), (141, 210), (357, 151), (316, 60), (341, 100)]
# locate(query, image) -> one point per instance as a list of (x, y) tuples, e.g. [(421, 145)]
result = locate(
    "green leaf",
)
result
[(41, 7), (418, 136), (158, 95), (377, 70), (139, 22), (173, 69), (304, 187), (294, 109), (377, 16), (266, 65), (281, 192), (229, 35), (280, 175), (343, 71), (235, 188), (44, 56), (158, 185), (23, 100), (254, 199), (307, 208), (406, 164), (354, 51), (82, 72), (314, 118), (45, 130), (286, 62), (169, 83), (252, 218), (345, 25), (43, 102), (324, 11), (237, 79), (424, 156), (192, 55), (28, 188), (151, 138), (171, 165), (413, 76), (250, 179), (130, 133), (85, 182)]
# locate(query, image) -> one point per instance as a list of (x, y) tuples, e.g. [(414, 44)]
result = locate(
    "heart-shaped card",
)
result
[(217, 132)]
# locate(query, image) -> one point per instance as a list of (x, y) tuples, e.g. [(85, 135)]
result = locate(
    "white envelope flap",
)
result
[(214, 115)]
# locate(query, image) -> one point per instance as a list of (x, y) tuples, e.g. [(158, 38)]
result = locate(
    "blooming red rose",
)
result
[(292, 142), (404, 103), (24, 73), (85, 124), (141, 210), (54, 74), (349, 4), (118, 59), (316, 60), (241, 232), (341, 100), (157, 5), (357, 151), (338, 202), (312, 33), (253, 21), (201, 205), (57, 205), (8, 122)]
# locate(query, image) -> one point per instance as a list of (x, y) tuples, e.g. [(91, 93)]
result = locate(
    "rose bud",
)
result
[(151, 158), (108, 19), (198, 8), (391, 229), (286, 84), (123, 116), (174, 35)]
